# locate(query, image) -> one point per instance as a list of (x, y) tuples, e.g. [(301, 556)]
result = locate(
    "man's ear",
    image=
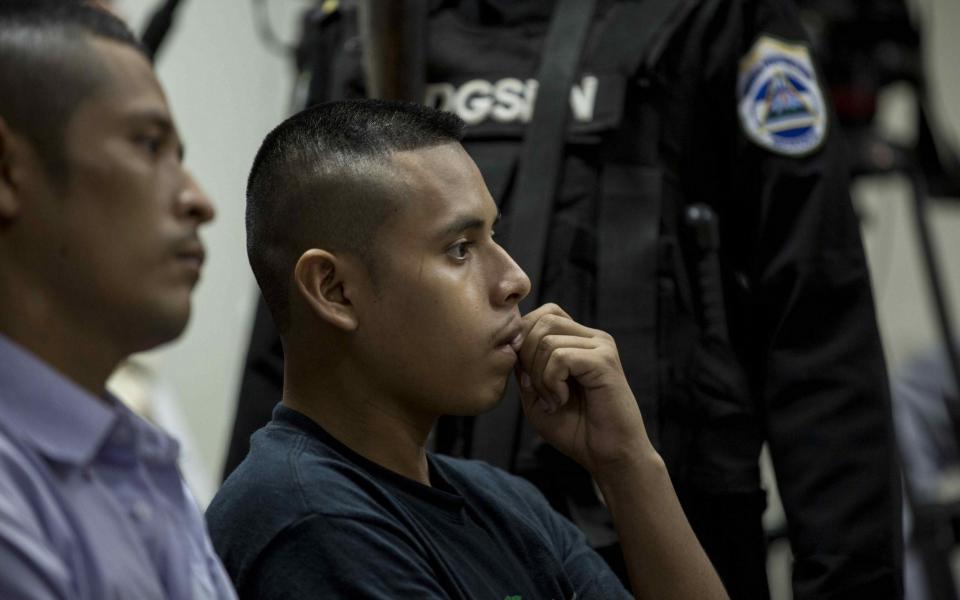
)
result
[(320, 277), (10, 147)]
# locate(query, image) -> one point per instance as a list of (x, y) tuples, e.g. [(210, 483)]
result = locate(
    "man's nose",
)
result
[(514, 283), (192, 202)]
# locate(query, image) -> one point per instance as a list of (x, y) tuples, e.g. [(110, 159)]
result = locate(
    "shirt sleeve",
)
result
[(589, 574), (804, 323), (323, 556)]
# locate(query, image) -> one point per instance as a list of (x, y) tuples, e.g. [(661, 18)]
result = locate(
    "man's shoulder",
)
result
[(291, 484), (278, 478), (23, 473), (37, 541), (286, 477), (30, 507)]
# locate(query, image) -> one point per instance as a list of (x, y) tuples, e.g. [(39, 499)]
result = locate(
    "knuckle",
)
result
[(609, 343), (548, 343), (536, 332), (612, 360), (551, 320)]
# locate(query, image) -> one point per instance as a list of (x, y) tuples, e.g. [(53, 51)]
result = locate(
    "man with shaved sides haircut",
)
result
[(99, 254), (370, 232)]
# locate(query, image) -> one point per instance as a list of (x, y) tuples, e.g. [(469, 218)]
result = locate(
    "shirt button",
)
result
[(141, 511)]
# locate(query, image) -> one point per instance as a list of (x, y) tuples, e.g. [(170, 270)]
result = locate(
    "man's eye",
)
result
[(150, 143), (460, 250)]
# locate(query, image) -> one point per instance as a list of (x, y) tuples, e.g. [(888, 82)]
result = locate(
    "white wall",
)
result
[(227, 90)]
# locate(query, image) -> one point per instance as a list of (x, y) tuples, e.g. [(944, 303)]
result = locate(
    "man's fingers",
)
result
[(549, 322), (546, 346), (552, 389), (548, 330), (544, 309), (562, 368), (530, 319)]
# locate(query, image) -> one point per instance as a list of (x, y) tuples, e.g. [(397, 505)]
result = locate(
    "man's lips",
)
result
[(192, 254), (511, 338)]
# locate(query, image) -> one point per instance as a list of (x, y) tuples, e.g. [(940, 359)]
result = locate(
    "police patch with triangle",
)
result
[(781, 106)]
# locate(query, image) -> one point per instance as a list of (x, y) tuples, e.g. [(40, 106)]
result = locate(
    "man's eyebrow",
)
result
[(466, 223), (157, 118)]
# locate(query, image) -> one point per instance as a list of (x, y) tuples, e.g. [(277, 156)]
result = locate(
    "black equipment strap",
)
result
[(532, 201), (543, 144)]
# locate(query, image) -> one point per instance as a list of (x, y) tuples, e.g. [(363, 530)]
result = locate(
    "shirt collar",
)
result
[(49, 412)]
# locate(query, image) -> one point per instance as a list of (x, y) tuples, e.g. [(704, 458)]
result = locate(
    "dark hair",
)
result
[(47, 68), (322, 178)]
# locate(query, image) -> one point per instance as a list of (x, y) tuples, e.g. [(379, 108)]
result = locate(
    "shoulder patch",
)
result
[(780, 103)]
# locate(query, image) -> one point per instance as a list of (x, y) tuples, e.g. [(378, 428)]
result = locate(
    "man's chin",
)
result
[(159, 329), (475, 407)]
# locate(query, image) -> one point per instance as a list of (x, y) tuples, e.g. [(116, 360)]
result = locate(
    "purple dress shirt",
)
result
[(92, 505)]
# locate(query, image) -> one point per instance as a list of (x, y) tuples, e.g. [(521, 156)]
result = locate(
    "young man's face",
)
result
[(443, 310), (117, 241)]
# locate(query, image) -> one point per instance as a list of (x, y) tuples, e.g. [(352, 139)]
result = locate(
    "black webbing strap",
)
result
[(543, 144), (532, 200)]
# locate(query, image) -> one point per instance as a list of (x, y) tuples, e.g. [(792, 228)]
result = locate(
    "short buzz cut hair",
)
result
[(322, 179), (48, 68)]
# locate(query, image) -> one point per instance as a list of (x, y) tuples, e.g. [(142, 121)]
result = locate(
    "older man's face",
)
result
[(118, 240)]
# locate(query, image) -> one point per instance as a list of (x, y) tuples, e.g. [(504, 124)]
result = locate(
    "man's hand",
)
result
[(575, 393)]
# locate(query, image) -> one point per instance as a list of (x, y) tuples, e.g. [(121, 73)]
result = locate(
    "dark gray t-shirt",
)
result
[(305, 517)]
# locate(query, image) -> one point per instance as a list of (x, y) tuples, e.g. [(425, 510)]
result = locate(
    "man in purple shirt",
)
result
[(99, 254)]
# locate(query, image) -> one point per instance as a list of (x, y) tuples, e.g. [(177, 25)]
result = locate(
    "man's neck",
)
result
[(370, 425), (73, 349)]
